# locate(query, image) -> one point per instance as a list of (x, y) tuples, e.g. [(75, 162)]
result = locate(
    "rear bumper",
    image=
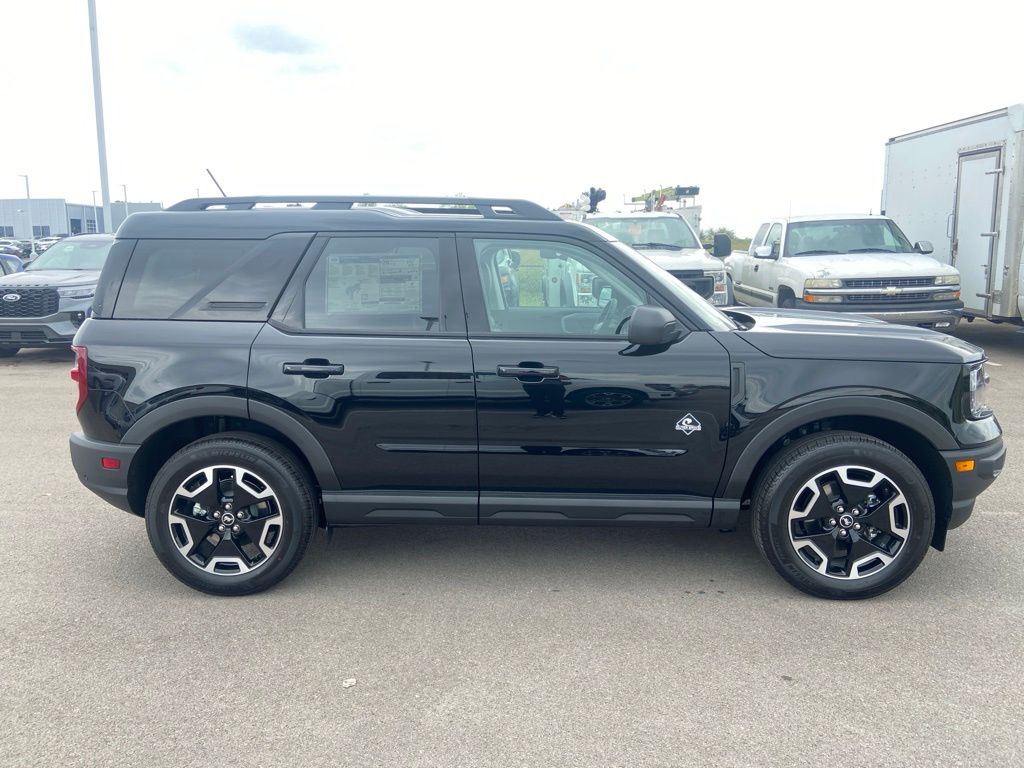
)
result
[(111, 485), (967, 486), (947, 314)]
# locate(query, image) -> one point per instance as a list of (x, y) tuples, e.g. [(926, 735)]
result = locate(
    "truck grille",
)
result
[(899, 298), (703, 285), (885, 282), (32, 302)]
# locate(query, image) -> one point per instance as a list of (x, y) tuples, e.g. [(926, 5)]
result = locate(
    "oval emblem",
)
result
[(12, 297)]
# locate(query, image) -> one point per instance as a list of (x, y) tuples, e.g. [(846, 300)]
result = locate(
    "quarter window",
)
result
[(375, 284)]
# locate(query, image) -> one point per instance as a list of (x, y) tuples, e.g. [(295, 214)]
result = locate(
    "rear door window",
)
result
[(207, 279)]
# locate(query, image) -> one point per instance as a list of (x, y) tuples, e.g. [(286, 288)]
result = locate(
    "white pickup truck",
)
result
[(667, 239), (861, 264)]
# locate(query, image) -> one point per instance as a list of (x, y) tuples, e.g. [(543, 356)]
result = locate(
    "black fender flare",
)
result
[(831, 407), (238, 407)]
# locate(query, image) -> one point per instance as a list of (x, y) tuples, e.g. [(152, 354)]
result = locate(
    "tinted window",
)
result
[(207, 279), (73, 254), (375, 284), (553, 289)]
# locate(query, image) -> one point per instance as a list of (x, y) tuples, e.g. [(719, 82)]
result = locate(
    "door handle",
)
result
[(757, 267), (515, 371), (313, 368)]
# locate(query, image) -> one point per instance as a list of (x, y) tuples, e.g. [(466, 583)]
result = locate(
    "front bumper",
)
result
[(928, 315), (57, 329), (111, 485), (968, 485)]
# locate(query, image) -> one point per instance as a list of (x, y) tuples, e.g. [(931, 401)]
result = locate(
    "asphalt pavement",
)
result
[(493, 646)]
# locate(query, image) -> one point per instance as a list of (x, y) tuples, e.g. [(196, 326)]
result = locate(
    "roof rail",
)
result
[(489, 208)]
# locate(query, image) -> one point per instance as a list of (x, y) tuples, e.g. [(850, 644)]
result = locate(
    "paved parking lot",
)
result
[(492, 647)]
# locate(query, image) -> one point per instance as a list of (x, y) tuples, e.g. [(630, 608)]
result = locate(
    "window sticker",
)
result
[(387, 285)]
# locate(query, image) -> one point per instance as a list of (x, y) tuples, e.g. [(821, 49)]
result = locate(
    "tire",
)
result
[(730, 296), (9, 351), (271, 532), (879, 543), (787, 301)]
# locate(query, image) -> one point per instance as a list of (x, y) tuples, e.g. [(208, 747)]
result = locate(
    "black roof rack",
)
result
[(489, 208)]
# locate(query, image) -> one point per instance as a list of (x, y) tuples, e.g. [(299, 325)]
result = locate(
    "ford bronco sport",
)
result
[(251, 372)]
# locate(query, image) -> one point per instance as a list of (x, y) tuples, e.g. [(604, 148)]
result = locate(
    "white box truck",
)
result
[(961, 186)]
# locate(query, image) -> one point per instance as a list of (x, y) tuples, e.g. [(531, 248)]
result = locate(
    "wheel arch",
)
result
[(906, 428), (165, 430)]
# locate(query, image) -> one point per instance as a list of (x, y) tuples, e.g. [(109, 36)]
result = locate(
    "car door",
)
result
[(575, 425), (741, 266), (761, 272), (368, 351)]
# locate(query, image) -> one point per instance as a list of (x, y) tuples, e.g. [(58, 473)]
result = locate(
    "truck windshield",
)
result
[(649, 232), (67, 254), (814, 238)]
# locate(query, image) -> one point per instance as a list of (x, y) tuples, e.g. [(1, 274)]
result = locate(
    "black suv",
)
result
[(254, 368)]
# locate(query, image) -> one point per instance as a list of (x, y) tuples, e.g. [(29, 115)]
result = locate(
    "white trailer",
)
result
[(961, 186)]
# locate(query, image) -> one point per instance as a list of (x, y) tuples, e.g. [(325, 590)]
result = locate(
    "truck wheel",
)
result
[(842, 515), (9, 351), (787, 300), (730, 296), (230, 514)]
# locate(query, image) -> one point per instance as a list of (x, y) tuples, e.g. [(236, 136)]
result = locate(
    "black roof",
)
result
[(258, 218)]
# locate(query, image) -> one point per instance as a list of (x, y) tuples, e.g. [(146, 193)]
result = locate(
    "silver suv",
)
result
[(45, 305), (861, 264)]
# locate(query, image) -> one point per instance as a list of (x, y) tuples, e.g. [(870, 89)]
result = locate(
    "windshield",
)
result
[(648, 232), (813, 238), (715, 320), (81, 255)]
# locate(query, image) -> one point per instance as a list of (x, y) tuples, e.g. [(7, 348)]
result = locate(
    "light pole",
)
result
[(97, 92), (28, 209), (95, 221), (124, 189)]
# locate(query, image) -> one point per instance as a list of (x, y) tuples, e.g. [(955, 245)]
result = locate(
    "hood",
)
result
[(854, 265), (51, 278), (811, 335), (688, 258)]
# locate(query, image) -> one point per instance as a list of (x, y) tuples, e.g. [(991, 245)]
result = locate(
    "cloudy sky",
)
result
[(768, 107)]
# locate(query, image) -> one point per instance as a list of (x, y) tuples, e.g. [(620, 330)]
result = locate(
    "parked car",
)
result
[(861, 264), (667, 239), (42, 244), (46, 303), (250, 374), (9, 264)]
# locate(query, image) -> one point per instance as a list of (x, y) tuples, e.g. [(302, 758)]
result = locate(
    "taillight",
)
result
[(78, 374)]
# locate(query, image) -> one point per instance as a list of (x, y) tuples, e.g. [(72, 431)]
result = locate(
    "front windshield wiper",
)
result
[(872, 250), (669, 246), (816, 253)]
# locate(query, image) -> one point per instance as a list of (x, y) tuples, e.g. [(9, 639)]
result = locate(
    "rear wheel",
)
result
[(230, 514), (843, 515)]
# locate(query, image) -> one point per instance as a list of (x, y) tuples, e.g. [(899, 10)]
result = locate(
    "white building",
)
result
[(56, 216)]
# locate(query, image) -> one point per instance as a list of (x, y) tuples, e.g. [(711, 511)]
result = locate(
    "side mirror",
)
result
[(923, 246), (604, 296), (723, 246), (653, 326), (764, 252)]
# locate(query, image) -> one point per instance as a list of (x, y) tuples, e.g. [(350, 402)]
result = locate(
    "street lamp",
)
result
[(28, 208), (95, 221)]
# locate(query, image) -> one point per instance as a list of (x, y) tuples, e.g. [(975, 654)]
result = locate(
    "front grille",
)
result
[(703, 285), (899, 298), (885, 282), (31, 302)]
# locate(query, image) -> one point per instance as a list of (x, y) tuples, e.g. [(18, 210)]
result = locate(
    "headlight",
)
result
[(818, 298), (81, 292), (947, 280), (719, 278), (946, 296), (976, 396), (823, 282)]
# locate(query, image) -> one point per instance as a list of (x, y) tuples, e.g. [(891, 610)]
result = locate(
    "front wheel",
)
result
[(230, 514), (843, 515)]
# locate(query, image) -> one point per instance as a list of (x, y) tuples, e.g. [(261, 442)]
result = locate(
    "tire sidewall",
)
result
[(873, 456), (296, 511)]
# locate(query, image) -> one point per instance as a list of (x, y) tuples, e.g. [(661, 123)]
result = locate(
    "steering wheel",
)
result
[(606, 317), (627, 315)]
